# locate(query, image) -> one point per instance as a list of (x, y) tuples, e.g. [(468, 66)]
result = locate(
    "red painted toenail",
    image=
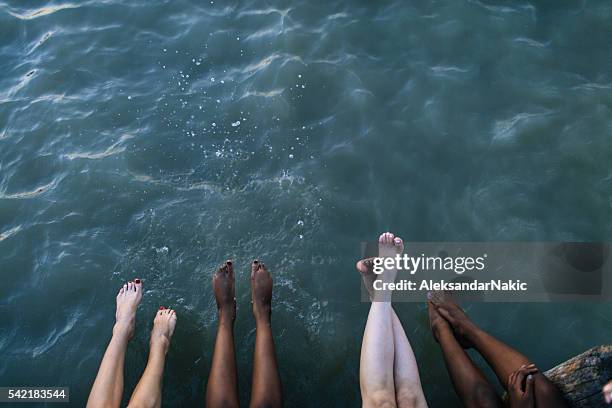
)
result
[(137, 280), (162, 308)]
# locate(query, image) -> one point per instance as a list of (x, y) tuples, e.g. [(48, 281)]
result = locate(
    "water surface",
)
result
[(155, 139)]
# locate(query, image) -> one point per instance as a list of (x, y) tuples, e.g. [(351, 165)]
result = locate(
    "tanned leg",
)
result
[(470, 384), (107, 389), (502, 358), (266, 389), (222, 387)]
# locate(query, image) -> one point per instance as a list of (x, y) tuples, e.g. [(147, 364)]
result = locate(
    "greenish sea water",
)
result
[(155, 139)]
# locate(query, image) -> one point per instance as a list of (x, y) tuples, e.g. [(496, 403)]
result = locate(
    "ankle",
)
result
[(262, 312), (383, 296), (470, 331), (123, 330), (159, 343), (263, 319), (226, 318), (441, 329)]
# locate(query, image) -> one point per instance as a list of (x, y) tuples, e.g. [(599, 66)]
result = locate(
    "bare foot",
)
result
[(128, 298), (366, 269), (437, 323), (389, 246), (448, 308), (224, 286), (163, 328), (261, 283)]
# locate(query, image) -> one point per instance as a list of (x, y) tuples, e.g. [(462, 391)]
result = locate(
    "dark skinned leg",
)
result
[(222, 387), (502, 358), (470, 384), (266, 388)]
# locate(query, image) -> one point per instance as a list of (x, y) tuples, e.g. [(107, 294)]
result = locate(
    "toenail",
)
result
[(137, 280), (162, 308), (228, 263)]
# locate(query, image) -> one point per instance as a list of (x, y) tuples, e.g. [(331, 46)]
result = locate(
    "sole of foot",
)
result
[(163, 328), (224, 287), (261, 284), (447, 307), (366, 268), (128, 299)]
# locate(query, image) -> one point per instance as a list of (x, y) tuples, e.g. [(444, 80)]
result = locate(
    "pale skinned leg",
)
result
[(378, 354), (108, 386), (107, 389), (377, 358), (408, 389), (148, 391)]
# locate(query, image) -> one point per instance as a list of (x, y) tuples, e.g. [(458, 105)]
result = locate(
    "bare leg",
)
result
[(471, 385), (107, 389), (502, 358), (222, 387), (148, 390), (377, 356), (266, 389), (377, 349), (408, 389)]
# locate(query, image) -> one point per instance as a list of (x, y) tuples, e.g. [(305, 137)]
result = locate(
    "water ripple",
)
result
[(9, 233), (41, 12), (32, 193), (159, 137)]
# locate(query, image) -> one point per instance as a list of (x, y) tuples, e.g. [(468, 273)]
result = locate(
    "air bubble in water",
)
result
[(163, 250)]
